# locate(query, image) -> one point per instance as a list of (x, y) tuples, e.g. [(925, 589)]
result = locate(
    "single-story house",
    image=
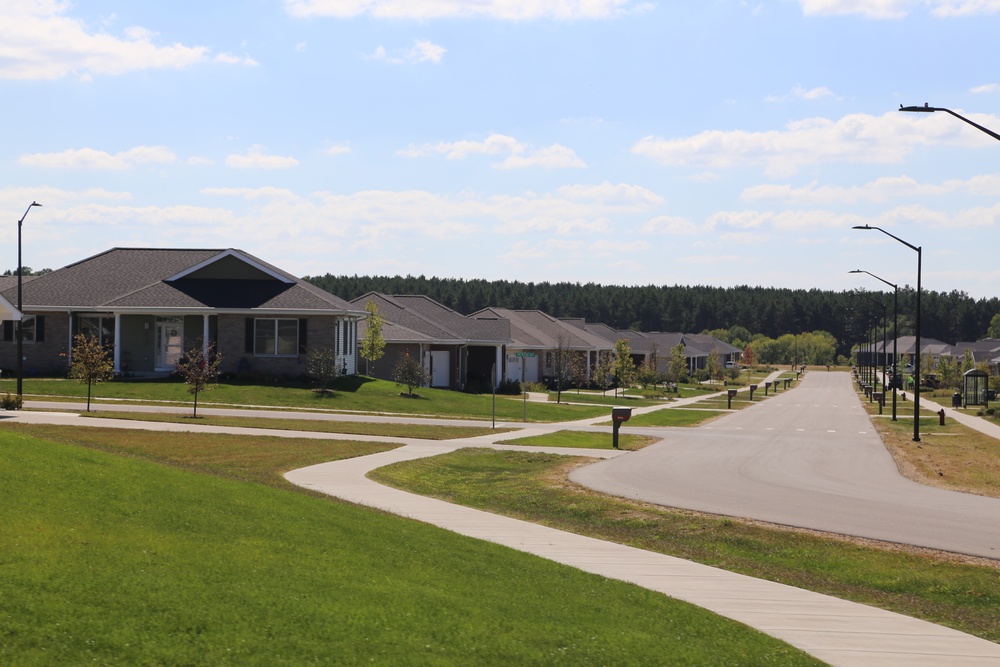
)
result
[(455, 350), (149, 305), (537, 338)]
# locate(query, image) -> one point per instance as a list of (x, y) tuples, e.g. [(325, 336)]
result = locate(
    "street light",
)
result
[(871, 357), (20, 303), (895, 333), (929, 109), (916, 360)]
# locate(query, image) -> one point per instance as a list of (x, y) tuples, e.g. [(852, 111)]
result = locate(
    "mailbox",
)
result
[(618, 417), (621, 414), (730, 395)]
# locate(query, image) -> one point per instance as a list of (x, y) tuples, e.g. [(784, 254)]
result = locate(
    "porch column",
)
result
[(204, 335), (499, 363), (118, 343)]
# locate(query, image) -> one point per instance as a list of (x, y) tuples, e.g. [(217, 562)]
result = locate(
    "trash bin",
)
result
[(956, 400)]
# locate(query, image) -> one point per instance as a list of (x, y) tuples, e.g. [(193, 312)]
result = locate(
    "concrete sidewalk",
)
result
[(833, 630)]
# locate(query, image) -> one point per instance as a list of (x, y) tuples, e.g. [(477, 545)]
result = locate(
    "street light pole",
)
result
[(916, 355), (20, 303), (929, 109), (895, 333)]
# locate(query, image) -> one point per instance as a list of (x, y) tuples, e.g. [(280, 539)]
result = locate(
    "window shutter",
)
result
[(8, 330), (39, 328), (248, 339), (303, 322)]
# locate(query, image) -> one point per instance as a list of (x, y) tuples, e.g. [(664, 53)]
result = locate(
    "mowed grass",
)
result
[(533, 487), (583, 439), (389, 430), (952, 456), (114, 560), (671, 417), (351, 394)]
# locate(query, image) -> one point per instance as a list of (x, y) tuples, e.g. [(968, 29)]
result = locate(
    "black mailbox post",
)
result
[(618, 417), (753, 388), (767, 385), (730, 394)]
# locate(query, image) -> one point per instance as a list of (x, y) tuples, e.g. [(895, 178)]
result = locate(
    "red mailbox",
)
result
[(618, 417)]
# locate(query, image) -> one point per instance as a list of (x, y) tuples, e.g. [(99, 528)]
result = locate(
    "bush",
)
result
[(510, 388), (537, 387), (11, 402)]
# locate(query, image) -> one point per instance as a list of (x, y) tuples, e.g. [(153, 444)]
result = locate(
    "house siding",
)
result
[(48, 358)]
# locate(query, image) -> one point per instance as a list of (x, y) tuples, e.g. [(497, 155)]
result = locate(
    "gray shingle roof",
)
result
[(137, 278), (417, 318)]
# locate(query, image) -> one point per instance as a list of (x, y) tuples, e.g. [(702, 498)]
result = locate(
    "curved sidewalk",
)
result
[(833, 630)]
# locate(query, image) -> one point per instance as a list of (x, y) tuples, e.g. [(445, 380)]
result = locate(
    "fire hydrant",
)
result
[(941, 417)]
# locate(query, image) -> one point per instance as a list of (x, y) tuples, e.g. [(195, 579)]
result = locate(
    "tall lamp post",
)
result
[(929, 109), (20, 304), (916, 355), (895, 333), (871, 356)]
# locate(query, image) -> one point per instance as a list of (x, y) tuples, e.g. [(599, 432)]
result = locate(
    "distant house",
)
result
[(536, 337), (151, 305), (456, 350)]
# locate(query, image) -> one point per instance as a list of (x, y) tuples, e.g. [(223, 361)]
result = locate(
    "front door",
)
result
[(169, 342)]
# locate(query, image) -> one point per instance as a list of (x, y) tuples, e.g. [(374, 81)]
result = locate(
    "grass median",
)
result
[(384, 429), (121, 560), (533, 487)]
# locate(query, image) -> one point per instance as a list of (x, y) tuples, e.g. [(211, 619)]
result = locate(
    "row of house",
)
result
[(496, 344), (151, 305), (982, 351)]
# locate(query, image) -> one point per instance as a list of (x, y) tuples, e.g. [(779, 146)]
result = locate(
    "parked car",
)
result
[(930, 381)]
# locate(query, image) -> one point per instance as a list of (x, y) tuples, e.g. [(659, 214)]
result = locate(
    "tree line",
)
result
[(770, 311)]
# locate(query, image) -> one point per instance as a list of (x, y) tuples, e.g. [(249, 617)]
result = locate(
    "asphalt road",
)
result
[(808, 458)]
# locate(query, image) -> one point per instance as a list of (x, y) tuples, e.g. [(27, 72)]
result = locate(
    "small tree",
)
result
[(321, 365), (92, 362), (579, 372), (602, 373), (748, 358), (200, 369), (678, 364), (409, 372), (714, 366), (647, 373), (562, 358), (373, 342), (623, 364)]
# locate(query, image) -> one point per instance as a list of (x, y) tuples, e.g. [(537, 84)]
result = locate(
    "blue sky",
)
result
[(611, 141)]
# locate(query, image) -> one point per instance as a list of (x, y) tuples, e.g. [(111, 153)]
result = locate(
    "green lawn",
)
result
[(389, 430), (532, 487), (672, 417), (116, 560), (353, 394), (582, 439)]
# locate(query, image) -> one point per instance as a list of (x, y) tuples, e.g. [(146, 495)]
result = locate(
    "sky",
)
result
[(625, 142)]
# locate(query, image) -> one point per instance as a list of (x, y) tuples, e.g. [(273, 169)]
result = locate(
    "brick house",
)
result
[(150, 305)]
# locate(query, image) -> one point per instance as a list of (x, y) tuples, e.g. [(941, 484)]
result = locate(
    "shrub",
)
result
[(11, 402), (510, 388)]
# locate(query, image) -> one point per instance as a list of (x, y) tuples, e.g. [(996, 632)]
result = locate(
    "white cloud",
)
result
[(894, 9), (519, 155), (422, 51), (39, 41), (986, 88), (800, 93), (882, 189), (89, 158), (255, 158), (230, 59), (338, 149), (670, 225), (855, 138), (509, 10)]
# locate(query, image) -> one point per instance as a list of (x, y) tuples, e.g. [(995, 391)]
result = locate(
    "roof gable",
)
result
[(230, 265)]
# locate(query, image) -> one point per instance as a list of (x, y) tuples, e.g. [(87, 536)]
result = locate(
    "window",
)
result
[(33, 327), (100, 328), (274, 337)]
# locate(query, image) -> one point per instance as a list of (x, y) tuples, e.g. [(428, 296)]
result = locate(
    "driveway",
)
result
[(808, 458)]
